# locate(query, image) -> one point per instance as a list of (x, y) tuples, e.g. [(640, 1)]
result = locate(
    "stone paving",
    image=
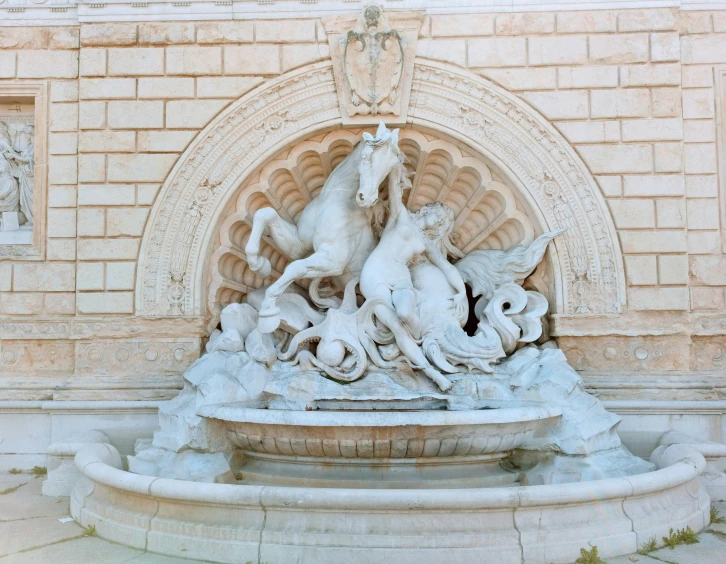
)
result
[(31, 533)]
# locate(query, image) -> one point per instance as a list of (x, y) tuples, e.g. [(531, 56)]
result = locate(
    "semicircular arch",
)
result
[(482, 117)]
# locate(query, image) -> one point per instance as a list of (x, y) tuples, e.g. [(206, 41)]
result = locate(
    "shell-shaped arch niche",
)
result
[(488, 215), (537, 167)]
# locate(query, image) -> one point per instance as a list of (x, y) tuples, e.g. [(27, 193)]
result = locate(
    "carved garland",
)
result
[(552, 178)]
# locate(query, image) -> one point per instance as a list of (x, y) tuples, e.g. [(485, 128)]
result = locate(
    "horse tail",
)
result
[(318, 300)]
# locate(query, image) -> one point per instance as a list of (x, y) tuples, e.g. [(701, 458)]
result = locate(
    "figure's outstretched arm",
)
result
[(453, 276)]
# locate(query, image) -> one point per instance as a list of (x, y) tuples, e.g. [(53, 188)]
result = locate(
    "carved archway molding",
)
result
[(543, 167)]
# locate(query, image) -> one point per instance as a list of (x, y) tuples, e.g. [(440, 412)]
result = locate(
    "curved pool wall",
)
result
[(273, 524)]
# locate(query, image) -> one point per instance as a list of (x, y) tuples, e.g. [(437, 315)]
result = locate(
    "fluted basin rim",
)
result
[(498, 416)]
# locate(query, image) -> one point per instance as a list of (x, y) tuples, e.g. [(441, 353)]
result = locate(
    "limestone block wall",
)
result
[(636, 92)]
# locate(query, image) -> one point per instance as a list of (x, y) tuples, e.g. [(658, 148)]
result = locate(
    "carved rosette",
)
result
[(548, 176)]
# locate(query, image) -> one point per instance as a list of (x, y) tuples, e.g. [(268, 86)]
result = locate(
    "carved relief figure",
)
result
[(9, 194), (25, 165), (16, 172), (373, 62)]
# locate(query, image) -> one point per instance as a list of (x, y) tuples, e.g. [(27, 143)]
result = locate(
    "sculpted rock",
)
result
[(242, 317), (230, 340), (261, 347)]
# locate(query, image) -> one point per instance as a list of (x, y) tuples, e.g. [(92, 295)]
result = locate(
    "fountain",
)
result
[(387, 397)]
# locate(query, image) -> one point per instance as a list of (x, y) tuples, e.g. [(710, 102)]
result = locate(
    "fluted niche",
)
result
[(489, 215)]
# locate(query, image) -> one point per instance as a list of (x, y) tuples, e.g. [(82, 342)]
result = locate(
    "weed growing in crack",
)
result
[(11, 490), (716, 517), (589, 557), (648, 547), (15, 471), (89, 531), (681, 536), (39, 471)]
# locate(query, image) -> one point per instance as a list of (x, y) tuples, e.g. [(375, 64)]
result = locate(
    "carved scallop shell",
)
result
[(488, 216)]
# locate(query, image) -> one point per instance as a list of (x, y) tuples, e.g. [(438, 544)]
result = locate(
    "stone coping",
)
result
[(496, 416), (508, 525), (101, 464)]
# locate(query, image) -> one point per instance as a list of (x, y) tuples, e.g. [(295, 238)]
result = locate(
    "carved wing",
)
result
[(485, 271)]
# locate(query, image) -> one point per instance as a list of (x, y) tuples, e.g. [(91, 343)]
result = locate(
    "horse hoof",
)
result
[(269, 319), (259, 264)]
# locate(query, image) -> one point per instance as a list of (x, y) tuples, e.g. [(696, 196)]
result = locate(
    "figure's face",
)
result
[(433, 221), (371, 15), (374, 167)]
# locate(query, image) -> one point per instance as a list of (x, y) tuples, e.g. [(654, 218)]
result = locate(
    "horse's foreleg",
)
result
[(316, 265), (283, 233)]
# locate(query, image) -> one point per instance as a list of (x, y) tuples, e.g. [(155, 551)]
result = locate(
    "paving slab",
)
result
[(10, 483), (85, 550), (26, 534), (27, 502), (711, 549)]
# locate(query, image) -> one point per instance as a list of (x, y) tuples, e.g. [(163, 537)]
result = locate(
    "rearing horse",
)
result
[(333, 236)]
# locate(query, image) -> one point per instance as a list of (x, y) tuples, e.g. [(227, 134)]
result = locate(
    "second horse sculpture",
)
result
[(334, 235)]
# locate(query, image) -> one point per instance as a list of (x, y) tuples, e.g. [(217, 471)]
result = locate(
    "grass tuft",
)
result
[(648, 547), (716, 517), (89, 531), (681, 536), (11, 490), (15, 471), (39, 471), (589, 557)]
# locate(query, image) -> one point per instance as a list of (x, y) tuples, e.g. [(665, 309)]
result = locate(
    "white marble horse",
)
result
[(333, 236)]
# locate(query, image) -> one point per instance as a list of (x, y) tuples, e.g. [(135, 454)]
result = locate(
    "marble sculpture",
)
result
[(370, 315), (414, 301)]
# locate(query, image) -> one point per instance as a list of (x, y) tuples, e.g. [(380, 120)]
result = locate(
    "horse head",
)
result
[(380, 154)]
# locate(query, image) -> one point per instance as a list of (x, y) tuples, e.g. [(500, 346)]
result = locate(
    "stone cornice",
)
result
[(639, 324), (72, 328), (73, 12)]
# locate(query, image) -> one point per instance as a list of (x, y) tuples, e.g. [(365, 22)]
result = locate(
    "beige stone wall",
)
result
[(632, 90)]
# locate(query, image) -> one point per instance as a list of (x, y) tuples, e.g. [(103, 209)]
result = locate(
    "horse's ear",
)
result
[(381, 130), (367, 137), (394, 137)]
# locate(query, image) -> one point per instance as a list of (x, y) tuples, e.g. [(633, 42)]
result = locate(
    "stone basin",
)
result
[(374, 434), (372, 449), (230, 523)]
